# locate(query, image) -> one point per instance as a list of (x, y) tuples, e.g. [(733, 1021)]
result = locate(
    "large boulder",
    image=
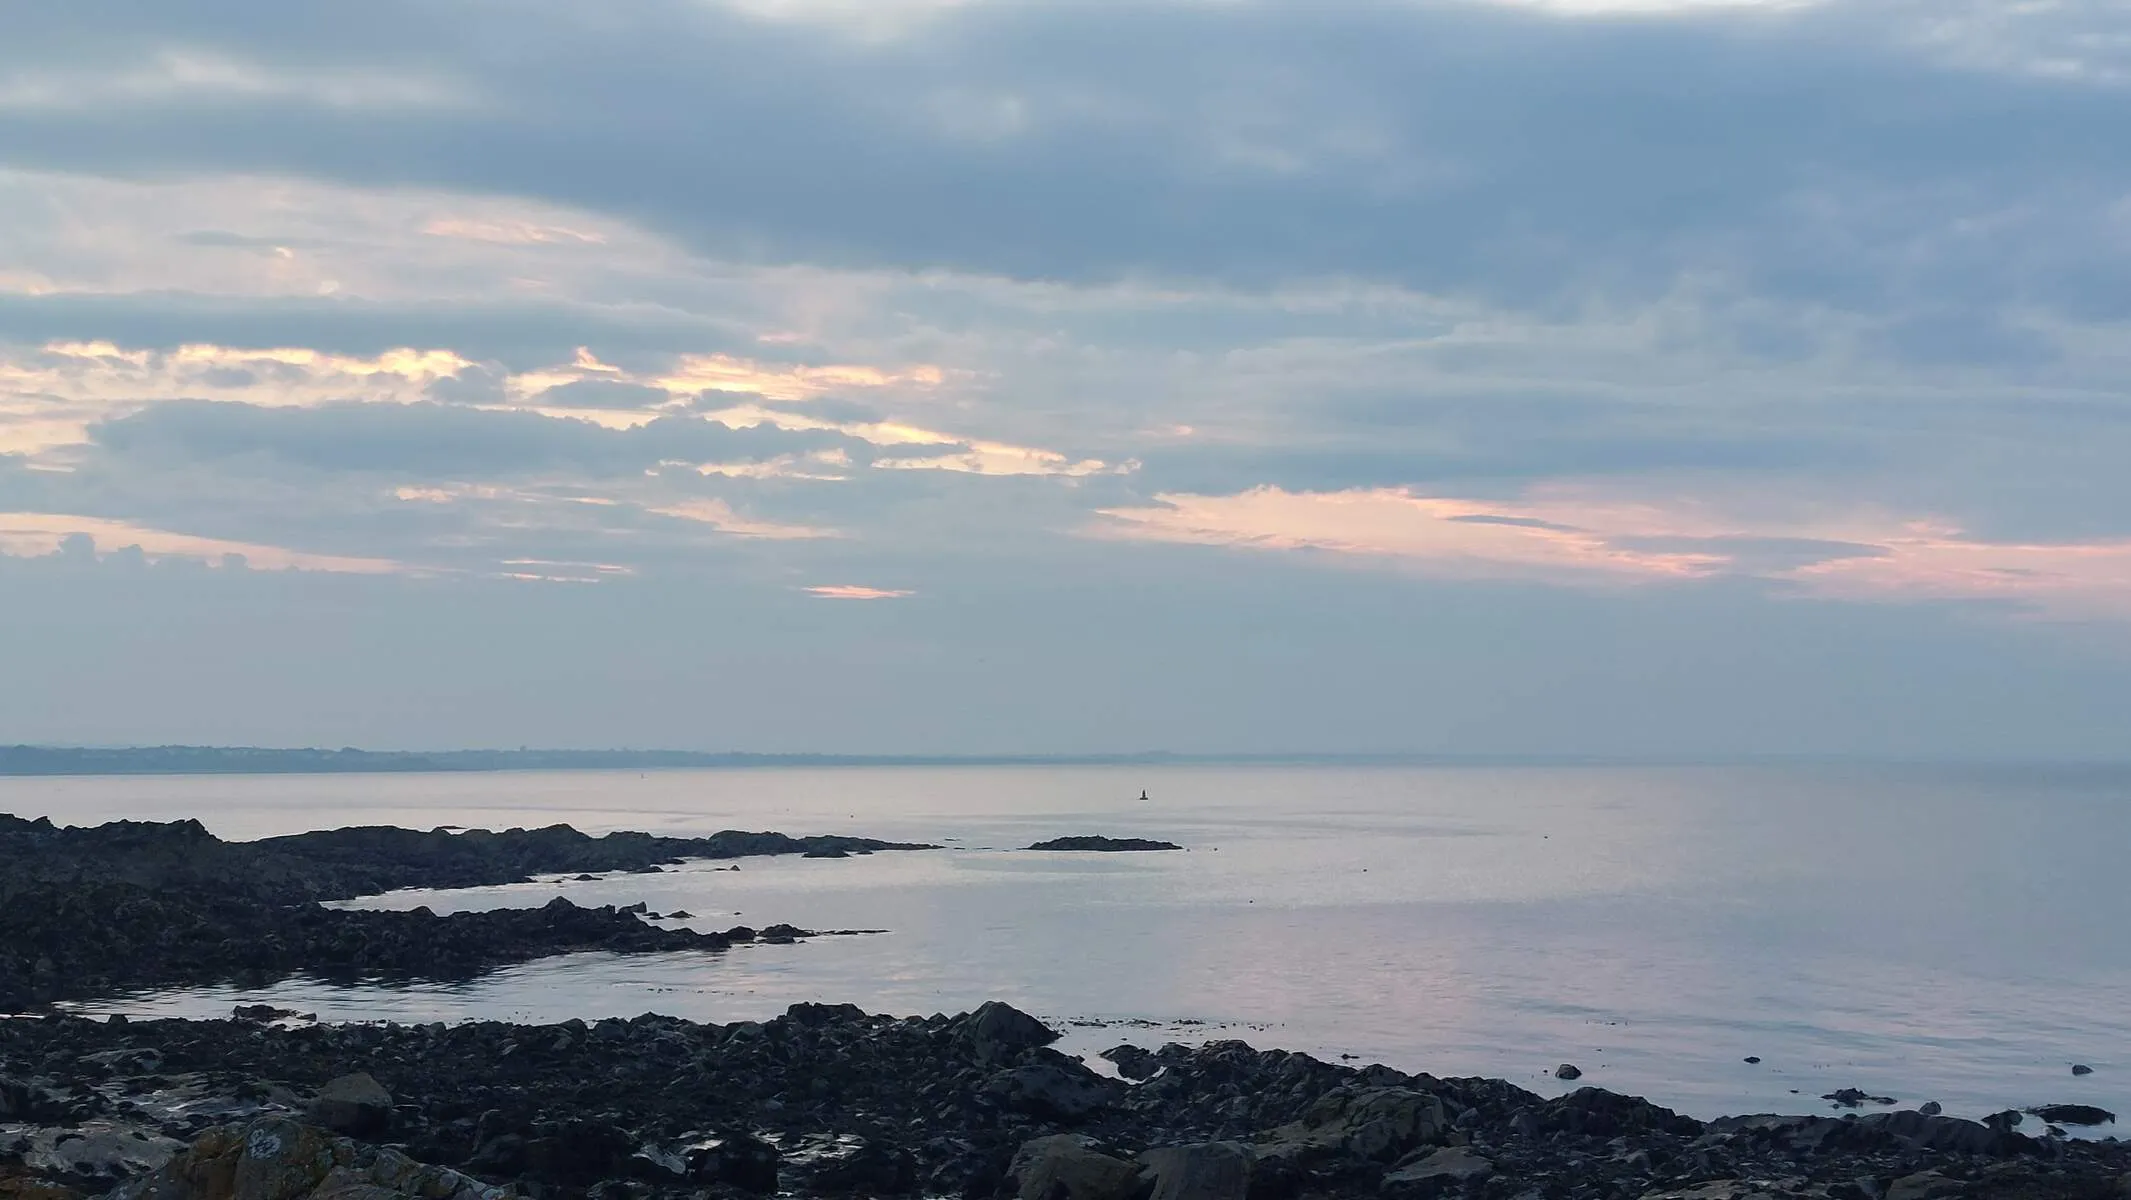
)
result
[(356, 1105), (1383, 1124), (1206, 1171), (1450, 1165), (1000, 1033), (1053, 1092), (1066, 1167), (276, 1159)]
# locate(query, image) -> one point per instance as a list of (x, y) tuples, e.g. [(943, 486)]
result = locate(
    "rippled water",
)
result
[(1962, 936)]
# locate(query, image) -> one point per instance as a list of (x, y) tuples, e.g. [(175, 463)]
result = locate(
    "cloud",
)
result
[(852, 591), (33, 534), (1562, 534), (720, 516)]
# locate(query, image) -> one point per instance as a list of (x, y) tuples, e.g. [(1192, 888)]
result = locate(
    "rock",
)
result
[(741, 1160), (1132, 1062), (104, 1151), (1923, 1131), (260, 1013), (27, 1102), (1205, 1171), (2073, 1114), (1752, 1059), (356, 1105), (1000, 1032), (1383, 1124), (866, 1169), (1724, 1189), (827, 852), (1854, 1098), (1052, 1092), (1455, 1164), (276, 1159), (1923, 1185), (1596, 1112), (1568, 1071), (1930, 1108), (1104, 845), (2082, 1069), (1049, 1167)]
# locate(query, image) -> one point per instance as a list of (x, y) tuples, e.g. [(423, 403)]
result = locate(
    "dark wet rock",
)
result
[(1452, 1164), (1105, 845), (1206, 1171), (282, 1160), (1053, 1092), (1595, 1112), (739, 1160), (999, 1032), (1067, 1167), (2082, 1069), (1752, 1059), (826, 852), (356, 1105), (859, 1168), (1930, 1108), (1132, 1062), (1856, 1098), (2073, 1114), (1381, 1124), (1568, 1071)]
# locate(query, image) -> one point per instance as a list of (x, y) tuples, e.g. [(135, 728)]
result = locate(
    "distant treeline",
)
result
[(244, 760)]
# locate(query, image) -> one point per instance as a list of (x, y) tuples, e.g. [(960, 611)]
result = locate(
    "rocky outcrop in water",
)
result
[(129, 905), (1104, 845), (341, 864), (828, 1101)]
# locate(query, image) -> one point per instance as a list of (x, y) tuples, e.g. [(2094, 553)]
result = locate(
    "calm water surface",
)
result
[(1959, 935)]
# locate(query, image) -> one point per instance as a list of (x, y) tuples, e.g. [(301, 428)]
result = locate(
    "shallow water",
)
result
[(1958, 935)]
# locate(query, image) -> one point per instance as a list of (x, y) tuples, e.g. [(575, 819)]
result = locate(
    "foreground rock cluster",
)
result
[(88, 911), (833, 1102)]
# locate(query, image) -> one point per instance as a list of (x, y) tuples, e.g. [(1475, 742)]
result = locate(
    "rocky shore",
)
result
[(824, 1101), (829, 1101), (85, 912)]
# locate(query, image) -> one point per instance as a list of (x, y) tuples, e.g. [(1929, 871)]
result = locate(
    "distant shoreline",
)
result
[(26, 761), (33, 761)]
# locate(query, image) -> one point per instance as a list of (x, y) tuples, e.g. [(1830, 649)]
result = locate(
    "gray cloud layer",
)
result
[(1634, 349)]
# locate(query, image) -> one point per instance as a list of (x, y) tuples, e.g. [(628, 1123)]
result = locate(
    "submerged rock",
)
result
[(2073, 1114)]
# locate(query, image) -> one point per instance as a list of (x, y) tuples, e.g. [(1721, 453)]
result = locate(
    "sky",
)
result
[(1617, 377)]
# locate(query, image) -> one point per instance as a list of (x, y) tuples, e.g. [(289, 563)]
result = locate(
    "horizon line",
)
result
[(34, 760)]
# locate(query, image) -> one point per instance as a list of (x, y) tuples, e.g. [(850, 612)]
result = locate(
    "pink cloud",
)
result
[(1589, 536), (852, 591)]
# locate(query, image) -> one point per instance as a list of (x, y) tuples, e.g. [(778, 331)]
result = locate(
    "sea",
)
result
[(1921, 933)]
